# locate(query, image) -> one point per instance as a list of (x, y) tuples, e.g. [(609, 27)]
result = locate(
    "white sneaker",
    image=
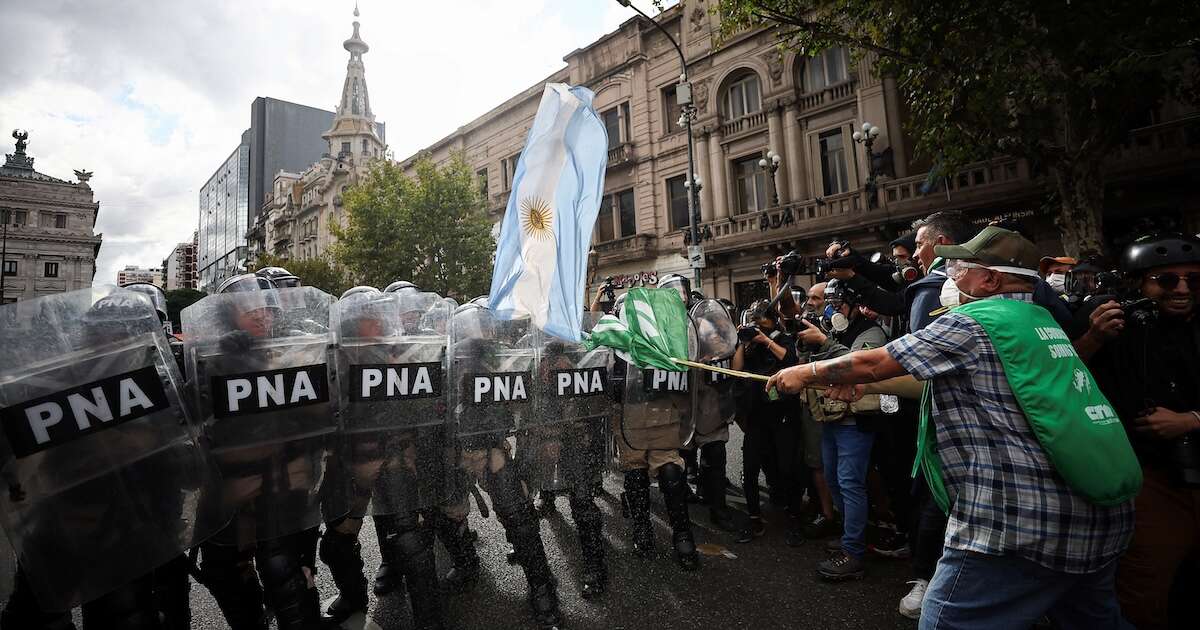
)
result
[(910, 605)]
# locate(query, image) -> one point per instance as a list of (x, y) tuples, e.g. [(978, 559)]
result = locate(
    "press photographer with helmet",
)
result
[(1148, 365)]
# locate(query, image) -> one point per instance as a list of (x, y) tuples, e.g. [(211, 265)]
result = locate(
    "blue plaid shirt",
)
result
[(1005, 495)]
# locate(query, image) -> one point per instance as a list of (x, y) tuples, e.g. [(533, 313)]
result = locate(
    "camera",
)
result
[(746, 333), (768, 269), (789, 264), (1111, 286), (610, 293)]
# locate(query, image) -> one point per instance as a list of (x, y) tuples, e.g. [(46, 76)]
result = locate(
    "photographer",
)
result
[(606, 297), (1147, 363), (876, 284), (847, 430), (765, 349)]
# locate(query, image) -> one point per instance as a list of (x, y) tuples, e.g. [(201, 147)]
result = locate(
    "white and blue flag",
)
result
[(541, 258)]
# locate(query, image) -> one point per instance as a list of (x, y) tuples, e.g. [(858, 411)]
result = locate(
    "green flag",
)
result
[(653, 329)]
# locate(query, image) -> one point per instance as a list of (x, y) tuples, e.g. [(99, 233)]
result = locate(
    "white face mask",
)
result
[(950, 297), (1058, 282)]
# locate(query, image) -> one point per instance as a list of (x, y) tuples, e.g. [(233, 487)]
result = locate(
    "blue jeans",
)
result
[(981, 592), (846, 455)]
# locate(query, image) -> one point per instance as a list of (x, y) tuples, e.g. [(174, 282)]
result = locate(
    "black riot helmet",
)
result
[(680, 284), (245, 282), (155, 294), (118, 314), (357, 290), (401, 285), (280, 277), (1160, 250)]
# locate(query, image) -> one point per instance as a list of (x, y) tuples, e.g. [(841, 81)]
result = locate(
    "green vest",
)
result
[(1075, 424)]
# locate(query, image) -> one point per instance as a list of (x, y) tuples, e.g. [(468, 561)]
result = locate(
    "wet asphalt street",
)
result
[(761, 585)]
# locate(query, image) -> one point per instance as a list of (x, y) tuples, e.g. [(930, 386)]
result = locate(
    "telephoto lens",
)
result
[(746, 334)]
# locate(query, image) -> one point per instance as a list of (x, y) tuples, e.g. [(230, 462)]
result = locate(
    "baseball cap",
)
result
[(1046, 261), (997, 248)]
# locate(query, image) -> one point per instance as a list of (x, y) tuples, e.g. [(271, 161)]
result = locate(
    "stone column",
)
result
[(717, 178), (795, 157), (775, 143), (702, 170), (894, 131)]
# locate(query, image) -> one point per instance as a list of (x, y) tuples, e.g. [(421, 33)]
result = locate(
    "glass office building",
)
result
[(224, 218)]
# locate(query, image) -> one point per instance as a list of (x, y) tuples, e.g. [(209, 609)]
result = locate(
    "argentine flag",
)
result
[(541, 257)]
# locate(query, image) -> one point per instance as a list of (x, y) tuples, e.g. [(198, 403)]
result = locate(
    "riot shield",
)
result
[(104, 467), (491, 374), (659, 406), (390, 363), (262, 391), (716, 342), (562, 443)]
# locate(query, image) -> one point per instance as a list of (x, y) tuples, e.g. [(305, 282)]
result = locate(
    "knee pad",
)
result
[(712, 455), (671, 474), (584, 510)]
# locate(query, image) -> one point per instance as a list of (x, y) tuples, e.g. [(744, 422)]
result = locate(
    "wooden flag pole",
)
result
[(902, 386)]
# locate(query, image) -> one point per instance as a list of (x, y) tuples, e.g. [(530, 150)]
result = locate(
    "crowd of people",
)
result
[(1024, 428)]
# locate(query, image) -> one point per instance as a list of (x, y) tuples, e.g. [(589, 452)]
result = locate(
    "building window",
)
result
[(828, 68), (10, 267), (750, 184), (51, 270), (833, 162), (345, 148), (618, 218), (45, 219), (60, 220), (616, 123), (482, 180), (742, 97), (365, 149), (509, 167), (677, 194), (671, 109)]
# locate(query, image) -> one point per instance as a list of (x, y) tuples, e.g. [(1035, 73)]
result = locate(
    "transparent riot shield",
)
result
[(262, 391), (562, 443), (390, 361), (105, 471), (716, 342), (491, 374), (659, 406)]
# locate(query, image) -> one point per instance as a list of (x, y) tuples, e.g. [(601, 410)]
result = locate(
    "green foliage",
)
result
[(179, 299), (319, 272), (430, 229), (1058, 82)]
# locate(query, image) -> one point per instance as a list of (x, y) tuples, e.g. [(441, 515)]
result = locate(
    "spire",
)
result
[(354, 122)]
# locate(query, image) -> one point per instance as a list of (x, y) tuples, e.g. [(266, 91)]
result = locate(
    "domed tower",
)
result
[(353, 136)]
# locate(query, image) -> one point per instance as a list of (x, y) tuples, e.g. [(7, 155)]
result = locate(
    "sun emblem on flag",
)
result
[(537, 218)]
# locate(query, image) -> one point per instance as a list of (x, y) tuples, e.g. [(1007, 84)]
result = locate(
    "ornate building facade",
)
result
[(752, 101), (297, 216), (49, 238)]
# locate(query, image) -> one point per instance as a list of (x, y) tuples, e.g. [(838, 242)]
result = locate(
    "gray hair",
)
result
[(951, 224)]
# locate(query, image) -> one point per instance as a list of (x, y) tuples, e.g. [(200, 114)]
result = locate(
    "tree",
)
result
[(430, 229), (319, 272), (1059, 83), (179, 299)]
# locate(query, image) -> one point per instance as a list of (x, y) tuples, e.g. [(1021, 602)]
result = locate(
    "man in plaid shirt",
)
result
[(1020, 543)]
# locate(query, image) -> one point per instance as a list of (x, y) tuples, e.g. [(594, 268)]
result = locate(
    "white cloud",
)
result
[(153, 96)]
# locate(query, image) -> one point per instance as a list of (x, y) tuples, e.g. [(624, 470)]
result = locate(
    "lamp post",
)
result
[(866, 137), (683, 96), (770, 164)]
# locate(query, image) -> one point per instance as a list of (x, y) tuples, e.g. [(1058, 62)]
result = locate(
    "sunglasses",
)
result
[(1170, 280)]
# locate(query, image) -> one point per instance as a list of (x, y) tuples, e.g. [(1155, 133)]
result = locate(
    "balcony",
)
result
[(976, 184), (636, 247), (620, 155), (745, 124), (281, 217), (832, 96), (1151, 148), (797, 220)]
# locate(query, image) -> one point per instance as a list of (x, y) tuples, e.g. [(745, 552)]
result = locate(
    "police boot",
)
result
[(413, 550), (341, 552), (712, 479), (22, 610), (229, 575), (635, 505), (588, 523), (459, 542), (172, 593), (281, 568), (130, 607), (388, 577), (515, 512), (671, 481)]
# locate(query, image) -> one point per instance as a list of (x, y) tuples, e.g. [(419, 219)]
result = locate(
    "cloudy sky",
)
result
[(152, 96)]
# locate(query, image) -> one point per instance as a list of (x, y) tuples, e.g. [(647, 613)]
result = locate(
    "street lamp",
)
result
[(683, 96), (867, 137), (771, 164)]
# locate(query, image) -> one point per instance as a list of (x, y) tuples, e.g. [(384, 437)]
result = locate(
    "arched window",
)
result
[(742, 97), (830, 67)]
